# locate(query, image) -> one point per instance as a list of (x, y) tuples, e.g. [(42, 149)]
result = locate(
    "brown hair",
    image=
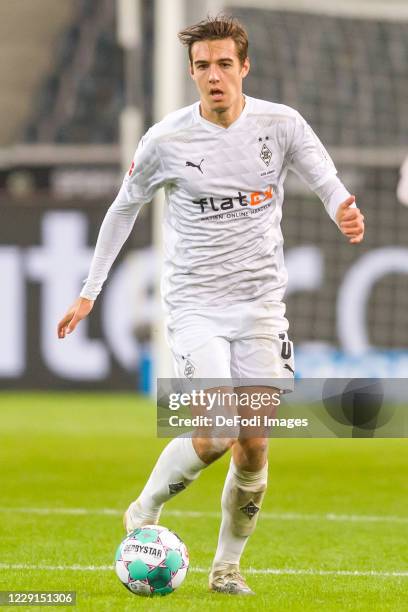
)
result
[(216, 28)]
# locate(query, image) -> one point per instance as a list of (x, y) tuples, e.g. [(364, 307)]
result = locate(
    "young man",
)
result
[(222, 162)]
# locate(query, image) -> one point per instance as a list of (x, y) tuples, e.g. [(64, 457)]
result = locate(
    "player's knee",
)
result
[(219, 446), (211, 449)]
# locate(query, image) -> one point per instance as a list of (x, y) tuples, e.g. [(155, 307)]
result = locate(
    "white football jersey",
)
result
[(224, 193)]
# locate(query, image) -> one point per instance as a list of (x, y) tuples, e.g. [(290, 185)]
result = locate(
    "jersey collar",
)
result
[(219, 128)]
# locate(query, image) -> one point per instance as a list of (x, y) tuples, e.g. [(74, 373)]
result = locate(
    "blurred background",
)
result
[(81, 80)]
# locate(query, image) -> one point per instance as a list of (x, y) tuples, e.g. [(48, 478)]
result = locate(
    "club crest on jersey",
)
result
[(266, 155)]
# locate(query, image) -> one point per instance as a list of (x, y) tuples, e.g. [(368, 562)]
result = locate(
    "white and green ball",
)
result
[(152, 560)]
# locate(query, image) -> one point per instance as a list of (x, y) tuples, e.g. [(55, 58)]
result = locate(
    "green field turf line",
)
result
[(203, 570), (284, 516)]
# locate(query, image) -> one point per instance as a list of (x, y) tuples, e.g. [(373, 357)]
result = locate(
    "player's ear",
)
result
[(245, 67), (191, 69)]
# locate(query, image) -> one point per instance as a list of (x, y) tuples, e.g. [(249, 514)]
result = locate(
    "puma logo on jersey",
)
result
[(193, 165)]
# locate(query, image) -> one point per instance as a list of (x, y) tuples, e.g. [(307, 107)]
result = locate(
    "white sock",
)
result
[(241, 500), (177, 466)]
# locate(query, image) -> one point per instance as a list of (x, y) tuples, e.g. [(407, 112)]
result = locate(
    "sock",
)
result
[(177, 466), (240, 502)]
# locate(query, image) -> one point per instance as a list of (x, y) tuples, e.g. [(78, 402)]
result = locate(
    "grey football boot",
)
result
[(228, 579)]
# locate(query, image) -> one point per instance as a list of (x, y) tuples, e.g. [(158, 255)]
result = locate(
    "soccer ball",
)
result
[(152, 560)]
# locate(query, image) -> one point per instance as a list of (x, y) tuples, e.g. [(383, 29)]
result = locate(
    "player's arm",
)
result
[(309, 159), (138, 187)]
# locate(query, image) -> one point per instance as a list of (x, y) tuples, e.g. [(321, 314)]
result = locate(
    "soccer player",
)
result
[(222, 162)]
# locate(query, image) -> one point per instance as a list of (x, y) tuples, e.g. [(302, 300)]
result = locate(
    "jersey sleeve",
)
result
[(139, 186), (307, 156), (145, 176)]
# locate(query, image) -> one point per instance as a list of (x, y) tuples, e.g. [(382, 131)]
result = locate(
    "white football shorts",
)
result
[(246, 341)]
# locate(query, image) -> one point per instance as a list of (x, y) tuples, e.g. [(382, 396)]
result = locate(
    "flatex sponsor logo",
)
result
[(250, 202)]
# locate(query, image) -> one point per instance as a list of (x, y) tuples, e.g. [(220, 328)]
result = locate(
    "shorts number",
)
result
[(286, 351)]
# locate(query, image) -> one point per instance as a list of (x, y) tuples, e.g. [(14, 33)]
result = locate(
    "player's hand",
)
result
[(350, 221), (78, 311)]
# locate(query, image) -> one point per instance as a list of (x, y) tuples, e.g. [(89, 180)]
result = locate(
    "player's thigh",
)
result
[(213, 437)]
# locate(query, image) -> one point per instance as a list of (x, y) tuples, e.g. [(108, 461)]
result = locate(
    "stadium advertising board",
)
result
[(44, 258)]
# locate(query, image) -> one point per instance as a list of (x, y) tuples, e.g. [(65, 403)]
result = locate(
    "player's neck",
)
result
[(223, 118)]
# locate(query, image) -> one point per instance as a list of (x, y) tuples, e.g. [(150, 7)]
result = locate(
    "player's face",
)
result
[(218, 73)]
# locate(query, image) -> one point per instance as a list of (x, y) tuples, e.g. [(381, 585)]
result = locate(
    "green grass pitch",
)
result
[(332, 506)]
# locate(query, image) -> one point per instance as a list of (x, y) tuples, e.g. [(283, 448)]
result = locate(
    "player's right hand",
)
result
[(78, 311), (350, 220)]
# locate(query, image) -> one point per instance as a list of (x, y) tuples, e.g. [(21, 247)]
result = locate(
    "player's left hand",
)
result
[(350, 221)]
